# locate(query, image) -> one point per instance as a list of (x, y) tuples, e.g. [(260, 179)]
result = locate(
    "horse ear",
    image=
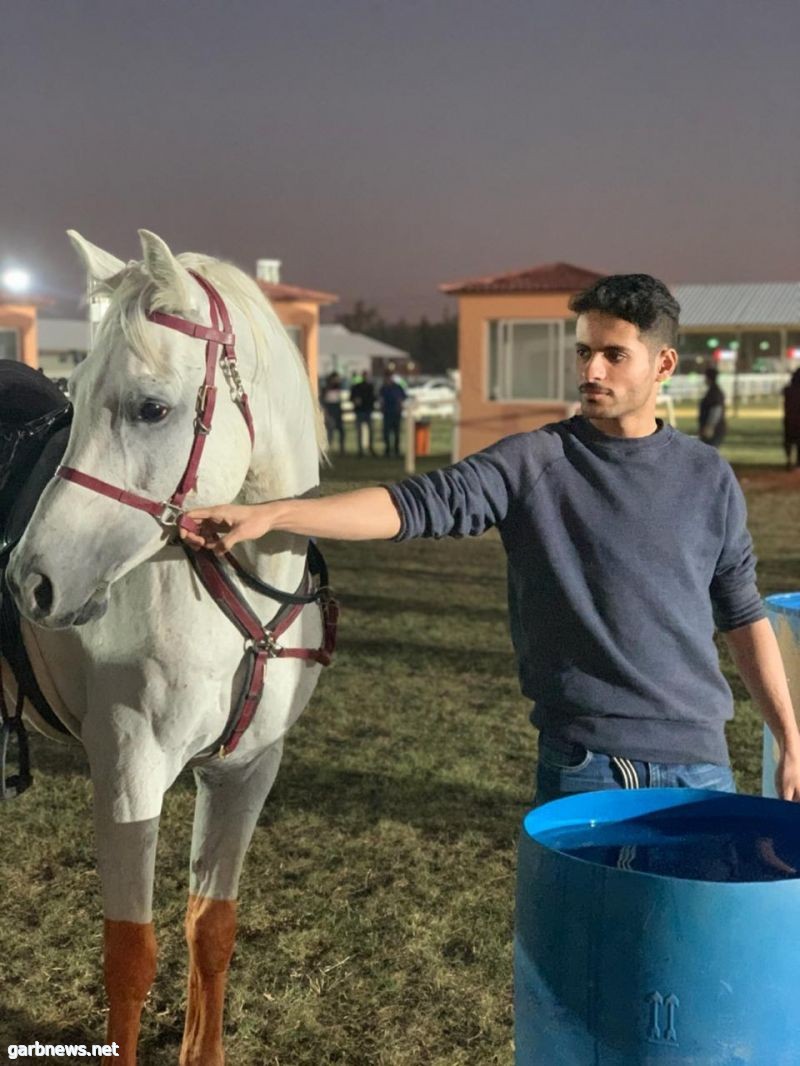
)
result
[(100, 265), (175, 291)]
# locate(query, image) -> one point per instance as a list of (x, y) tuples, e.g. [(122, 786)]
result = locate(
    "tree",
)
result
[(362, 319), (432, 345)]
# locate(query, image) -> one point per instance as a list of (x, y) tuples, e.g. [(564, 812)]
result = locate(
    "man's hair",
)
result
[(711, 375), (638, 298)]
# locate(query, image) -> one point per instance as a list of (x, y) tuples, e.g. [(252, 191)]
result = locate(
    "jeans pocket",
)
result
[(706, 776), (564, 758)]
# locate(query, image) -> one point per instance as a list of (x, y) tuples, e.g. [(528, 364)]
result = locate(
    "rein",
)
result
[(261, 640)]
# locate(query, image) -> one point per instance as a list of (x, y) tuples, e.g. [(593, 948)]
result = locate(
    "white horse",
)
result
[(128, 646)]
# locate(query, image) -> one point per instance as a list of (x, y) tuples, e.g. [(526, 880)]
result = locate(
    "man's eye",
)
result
[(152, 411)]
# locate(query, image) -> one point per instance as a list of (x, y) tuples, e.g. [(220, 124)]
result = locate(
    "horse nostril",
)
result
[(43, 593)]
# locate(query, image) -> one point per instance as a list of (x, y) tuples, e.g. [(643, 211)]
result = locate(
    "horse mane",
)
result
[(134, 293)]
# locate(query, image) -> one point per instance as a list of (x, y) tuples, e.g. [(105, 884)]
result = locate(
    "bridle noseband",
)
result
[(261, 641)]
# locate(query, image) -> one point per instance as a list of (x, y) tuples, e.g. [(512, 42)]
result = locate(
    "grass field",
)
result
[(376, 907)]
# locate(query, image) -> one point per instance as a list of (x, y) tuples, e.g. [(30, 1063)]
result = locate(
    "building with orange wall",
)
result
[(18, 328), (516, 346), (298, 309)]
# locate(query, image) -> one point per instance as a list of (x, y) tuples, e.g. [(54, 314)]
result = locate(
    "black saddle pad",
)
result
[(32, 409), (25, 394), (35, 420)]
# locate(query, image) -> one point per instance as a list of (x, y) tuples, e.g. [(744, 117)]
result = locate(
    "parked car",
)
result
[(433, 396)]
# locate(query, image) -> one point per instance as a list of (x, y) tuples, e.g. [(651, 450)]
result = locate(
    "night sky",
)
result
[(381, 148)]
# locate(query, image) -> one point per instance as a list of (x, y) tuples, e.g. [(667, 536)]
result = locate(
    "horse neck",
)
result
[(284, 463)]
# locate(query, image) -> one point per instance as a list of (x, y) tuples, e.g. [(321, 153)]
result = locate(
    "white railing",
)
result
[(738, 388), (427, 409), (413, 411)]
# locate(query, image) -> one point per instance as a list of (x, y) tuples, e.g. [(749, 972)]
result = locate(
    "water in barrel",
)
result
[(704, 849), (658, 927)]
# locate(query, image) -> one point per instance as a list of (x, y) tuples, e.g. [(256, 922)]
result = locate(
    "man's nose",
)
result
[(594, 367)]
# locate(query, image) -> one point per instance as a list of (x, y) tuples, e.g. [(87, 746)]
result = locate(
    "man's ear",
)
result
[(667, 363)]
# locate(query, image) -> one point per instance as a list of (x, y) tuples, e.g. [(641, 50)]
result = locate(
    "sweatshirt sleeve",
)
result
[(734, 594), (463, 500)]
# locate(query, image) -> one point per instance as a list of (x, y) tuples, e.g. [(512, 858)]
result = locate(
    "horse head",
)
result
[(139, 402)]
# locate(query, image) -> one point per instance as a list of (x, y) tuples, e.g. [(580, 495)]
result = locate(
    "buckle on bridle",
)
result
[(200, 410), (231, 373), (266, 643), (170, 514)]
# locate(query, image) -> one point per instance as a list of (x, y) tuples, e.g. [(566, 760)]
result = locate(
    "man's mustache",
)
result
[(595, 388)]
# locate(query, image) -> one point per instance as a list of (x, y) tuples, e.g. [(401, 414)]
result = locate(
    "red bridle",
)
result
[(261, 642), (170, 512)]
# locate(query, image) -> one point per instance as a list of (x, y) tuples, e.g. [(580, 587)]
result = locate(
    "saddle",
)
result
[(35, 419)]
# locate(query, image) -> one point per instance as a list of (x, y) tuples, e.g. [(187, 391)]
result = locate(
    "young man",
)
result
[(711, 413), (626, 545), (362, 396), (392, 396)]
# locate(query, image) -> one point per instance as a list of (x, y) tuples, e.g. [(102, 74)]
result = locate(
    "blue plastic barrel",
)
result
[(783, 611), (658, 926)]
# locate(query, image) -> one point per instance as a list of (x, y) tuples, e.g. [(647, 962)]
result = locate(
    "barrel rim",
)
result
[(784, 602), (565, 813)]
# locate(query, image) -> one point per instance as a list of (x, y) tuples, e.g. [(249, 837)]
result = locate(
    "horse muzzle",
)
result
[(38, 602)]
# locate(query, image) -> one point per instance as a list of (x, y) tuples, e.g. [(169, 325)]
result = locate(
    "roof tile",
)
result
[(549, 277)]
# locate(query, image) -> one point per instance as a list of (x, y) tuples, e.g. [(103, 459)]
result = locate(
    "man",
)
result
[(626, 543), (791, 420), (362, 396), (392, 396), (711, 416), (331, 400)]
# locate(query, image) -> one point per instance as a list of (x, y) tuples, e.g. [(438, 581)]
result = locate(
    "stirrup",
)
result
[(13, 785)]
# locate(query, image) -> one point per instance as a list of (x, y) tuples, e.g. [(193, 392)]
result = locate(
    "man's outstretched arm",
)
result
[(758, 659), (366, 514)]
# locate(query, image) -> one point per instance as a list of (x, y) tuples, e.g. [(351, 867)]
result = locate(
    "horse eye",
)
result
[(152, 411)]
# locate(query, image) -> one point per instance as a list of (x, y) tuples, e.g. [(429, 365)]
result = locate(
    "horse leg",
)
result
[(229, 801), (126, 861)]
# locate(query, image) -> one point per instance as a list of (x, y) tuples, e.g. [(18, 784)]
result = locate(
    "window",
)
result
[(8, 344), (531, 360)]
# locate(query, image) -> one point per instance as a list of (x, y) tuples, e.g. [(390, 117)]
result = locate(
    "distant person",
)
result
[(791, 420), (362, 396), (712, 411), (392, 397), (332, 408)]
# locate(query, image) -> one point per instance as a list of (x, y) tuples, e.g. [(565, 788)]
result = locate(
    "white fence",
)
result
[(417, 410), (738, 388)]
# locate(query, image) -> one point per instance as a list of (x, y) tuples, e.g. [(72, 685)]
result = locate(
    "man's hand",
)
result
[(758, 659), (787, 775), (219, 528), (366, 514)]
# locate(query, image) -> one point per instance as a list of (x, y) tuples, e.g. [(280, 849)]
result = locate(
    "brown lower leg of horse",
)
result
[(210, 934), (130, 966)]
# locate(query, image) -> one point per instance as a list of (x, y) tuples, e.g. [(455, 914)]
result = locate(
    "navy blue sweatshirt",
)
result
[(623, 557)]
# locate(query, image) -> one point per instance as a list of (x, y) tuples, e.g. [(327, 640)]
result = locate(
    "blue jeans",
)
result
[(565, 769)]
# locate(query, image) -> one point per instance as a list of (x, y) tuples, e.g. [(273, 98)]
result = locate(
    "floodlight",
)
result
[(16, 280)]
